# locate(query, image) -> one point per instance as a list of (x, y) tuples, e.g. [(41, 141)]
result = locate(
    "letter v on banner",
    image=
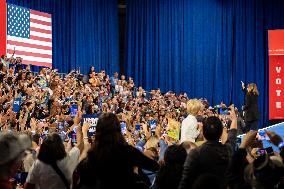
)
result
[(276, 74), (3, 27)]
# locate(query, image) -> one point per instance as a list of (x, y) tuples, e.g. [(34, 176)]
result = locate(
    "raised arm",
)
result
[(86, 143), (232, 133), (77, 121), (243, 87), (141, 161)]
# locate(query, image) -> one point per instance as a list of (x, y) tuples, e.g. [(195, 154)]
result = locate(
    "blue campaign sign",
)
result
[(17, 105), (92, 119), (153, 124)]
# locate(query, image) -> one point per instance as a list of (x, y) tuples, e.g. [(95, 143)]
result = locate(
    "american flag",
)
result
[(29, 33)]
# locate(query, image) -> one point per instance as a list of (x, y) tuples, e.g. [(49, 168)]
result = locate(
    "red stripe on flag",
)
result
[(40, 30), (3, 27), (40, 22), (37, 63), (40, 38), (30, 54), (40, 13), (22, 44)]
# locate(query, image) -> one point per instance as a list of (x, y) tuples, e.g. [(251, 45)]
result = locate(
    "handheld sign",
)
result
[(173, 129), (17, 105), (92, 119)]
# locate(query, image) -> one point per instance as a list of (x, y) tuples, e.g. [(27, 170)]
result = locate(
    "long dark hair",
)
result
[(52, 149), (108, 137), (252, 89), (170, 174)]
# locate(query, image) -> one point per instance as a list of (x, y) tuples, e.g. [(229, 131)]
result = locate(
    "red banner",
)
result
[(2, 27), (276, 74)]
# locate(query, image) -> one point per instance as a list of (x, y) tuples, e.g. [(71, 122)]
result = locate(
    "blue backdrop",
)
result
[(202, 47), (85, 32)]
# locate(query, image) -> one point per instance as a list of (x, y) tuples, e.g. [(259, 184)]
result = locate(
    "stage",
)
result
[(277, 128)]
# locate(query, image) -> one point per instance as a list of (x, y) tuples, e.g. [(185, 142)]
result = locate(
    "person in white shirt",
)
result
[(52, 156), (189, 126)]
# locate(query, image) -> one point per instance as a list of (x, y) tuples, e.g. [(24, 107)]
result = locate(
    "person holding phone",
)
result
[(54, 166), (250, 108)]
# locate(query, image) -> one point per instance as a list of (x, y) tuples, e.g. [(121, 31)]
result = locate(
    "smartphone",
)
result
[(43, 136), (63, 135), (60, 125), (261, 152), (137, 127), (21, 177), (74, 110), (224, 111), (262, 135), (74, 138), (74, 130), (269, 151), (153, 125), (46, 131), (123, 127), (239, 141)]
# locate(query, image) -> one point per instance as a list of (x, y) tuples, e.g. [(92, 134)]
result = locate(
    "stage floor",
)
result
[(277, 128)]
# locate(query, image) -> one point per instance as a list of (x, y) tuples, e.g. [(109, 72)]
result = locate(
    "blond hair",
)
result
[(194, 106), (252, 88)]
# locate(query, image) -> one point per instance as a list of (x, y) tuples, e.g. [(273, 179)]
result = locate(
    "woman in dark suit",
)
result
[(250, 108)]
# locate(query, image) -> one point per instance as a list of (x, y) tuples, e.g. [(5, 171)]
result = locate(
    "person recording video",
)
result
[(250, 108)]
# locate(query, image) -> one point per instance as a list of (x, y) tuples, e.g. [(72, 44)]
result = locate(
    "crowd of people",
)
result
[(136, 139)]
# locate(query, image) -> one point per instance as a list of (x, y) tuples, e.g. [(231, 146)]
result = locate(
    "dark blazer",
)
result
[(115, 170), (251, 107), (212, 157)]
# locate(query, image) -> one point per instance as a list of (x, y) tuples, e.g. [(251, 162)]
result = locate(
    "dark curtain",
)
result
[(85, 33), (202, 47)]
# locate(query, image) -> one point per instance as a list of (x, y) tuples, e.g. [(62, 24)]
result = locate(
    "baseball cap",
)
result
[(12, 146)]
